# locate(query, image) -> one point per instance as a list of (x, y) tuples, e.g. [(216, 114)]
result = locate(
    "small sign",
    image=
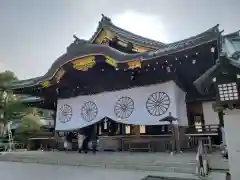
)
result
[(84, 64), (111, 61)]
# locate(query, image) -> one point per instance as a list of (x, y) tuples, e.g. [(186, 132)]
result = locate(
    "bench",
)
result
[(139, 144)]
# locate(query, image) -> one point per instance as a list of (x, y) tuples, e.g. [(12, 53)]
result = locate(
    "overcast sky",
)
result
[(33, 33)]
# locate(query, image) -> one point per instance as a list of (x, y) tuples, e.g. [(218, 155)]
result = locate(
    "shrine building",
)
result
[(124, 85)]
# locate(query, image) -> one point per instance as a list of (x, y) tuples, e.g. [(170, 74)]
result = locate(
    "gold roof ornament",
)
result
[(111, 61), (46, 84), (83, 64), (134, 64)]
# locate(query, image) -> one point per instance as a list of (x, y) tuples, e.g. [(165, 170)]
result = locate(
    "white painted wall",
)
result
[(210, 116), (181, 106), (232, 133)]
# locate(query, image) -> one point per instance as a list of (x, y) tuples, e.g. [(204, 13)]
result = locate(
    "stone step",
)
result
[(116, 161), (147, 166)]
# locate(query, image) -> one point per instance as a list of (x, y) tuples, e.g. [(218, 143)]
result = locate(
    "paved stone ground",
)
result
[(218, 162), (23, 171)]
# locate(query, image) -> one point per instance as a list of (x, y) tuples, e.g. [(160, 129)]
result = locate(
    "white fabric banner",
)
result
[(140, 106)]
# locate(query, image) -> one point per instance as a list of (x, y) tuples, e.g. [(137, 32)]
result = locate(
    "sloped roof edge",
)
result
[(205, 80), (81, 48)]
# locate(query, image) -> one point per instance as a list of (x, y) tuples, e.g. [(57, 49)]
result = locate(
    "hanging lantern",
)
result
[(212, 49), (168, 69), (227, 86), (228, 91)]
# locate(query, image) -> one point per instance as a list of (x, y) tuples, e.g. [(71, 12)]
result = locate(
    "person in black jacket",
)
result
[(94, 142), (228, 176), (85, 144)]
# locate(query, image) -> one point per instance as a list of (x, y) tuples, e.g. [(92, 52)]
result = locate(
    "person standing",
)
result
[(228, 176), (65, 144), (199, 158), (80, 138), (94, 142), (85, 144)]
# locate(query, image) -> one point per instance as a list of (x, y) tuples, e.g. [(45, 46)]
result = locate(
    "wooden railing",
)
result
[(211, 129), (189, 140)]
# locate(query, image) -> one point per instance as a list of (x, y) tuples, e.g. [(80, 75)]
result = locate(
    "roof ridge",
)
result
[(212, 29), (187, 40), (235, 33), (136, 35), (107, 23)]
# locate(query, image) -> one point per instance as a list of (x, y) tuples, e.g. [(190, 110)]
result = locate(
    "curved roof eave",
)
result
[(82, 48), (205, 80), (30, 99), (234, 34), (229, 51), (106, 23)]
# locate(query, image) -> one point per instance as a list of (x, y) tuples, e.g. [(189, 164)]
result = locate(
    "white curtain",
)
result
[(139, 106)]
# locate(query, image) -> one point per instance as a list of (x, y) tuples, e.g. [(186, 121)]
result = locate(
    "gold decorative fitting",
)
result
[(59, 75), (104, 35), (137, 48), (134, 64), (83, 64), (111, 61), (105, 41), (46, 84)]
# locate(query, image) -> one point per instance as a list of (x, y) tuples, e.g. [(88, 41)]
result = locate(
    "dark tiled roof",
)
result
[(234, 34), (205, 81), (81, 48)]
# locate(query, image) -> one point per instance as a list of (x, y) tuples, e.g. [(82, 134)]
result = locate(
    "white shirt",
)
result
[(80, 140), (65, 144)]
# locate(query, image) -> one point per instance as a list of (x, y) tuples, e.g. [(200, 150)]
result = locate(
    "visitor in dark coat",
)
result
[(85, 148), (94, 143)]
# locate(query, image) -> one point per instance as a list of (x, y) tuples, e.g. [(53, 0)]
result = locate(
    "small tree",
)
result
[(8, 101), (30, 125), (7, 77)]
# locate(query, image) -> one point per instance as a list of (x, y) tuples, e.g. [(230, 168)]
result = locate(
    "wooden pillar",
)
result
[(231, 127), (221, 119), (177, 138), (173, 139)]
